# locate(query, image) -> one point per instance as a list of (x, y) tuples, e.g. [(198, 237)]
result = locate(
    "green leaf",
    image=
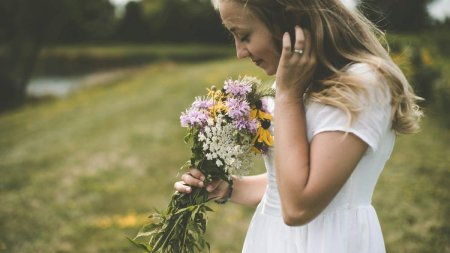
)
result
[(187, 137), (140, 245)]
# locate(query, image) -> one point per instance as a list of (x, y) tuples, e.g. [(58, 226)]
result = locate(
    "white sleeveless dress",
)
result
[(349, 224)]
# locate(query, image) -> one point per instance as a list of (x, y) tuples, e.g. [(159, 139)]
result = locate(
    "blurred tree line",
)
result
[(26, 26), (397, 15)]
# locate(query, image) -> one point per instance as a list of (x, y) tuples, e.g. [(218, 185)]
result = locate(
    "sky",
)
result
[(439, 9)]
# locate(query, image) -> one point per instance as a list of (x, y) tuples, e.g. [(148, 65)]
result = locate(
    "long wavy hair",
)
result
[(340, 38)]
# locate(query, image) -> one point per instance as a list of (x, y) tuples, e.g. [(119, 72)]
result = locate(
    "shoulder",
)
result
[(373, 108), (376, 89), (367, 74)]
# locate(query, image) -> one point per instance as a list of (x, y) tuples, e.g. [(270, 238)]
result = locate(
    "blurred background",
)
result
[(90, 97)]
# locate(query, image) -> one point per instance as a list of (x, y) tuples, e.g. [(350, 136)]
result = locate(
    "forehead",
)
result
[(235, 15)]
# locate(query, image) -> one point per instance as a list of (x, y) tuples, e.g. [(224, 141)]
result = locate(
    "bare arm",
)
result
[(249, 190), (308, 175)]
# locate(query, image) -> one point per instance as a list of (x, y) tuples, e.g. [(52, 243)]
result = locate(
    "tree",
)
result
[(88, 20), (397, 15), (26, 26), (184, 21), (134, 26)]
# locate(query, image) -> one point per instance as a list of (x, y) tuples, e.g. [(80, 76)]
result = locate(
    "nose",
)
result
[(241, 50)]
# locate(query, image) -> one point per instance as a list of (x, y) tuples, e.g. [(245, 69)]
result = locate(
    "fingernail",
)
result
[(201, 184), (209, 188), (202, 178), (188, 189)]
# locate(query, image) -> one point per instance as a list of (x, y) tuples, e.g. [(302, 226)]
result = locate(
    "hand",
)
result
[(217, 189), (295, 70)]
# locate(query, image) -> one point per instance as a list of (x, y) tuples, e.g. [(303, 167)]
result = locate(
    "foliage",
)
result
[(26, 26), (87, 20), (397, 15), (425, 66), (189, 20), (79, 59), (134, 25)]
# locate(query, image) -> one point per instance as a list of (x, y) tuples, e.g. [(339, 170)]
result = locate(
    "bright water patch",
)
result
[(52, 86)]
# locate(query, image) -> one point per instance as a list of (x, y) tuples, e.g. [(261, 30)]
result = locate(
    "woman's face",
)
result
[(251, 36)]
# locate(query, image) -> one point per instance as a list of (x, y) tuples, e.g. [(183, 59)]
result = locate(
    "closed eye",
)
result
[(245, 38)]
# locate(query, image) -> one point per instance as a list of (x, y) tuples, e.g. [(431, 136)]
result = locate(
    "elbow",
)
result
[(297, 218)]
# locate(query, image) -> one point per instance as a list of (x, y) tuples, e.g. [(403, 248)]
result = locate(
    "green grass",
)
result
[(121, 50), (80, 174), (69, 60)]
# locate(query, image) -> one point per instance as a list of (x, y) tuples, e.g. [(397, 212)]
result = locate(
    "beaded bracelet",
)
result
[(230, 192)]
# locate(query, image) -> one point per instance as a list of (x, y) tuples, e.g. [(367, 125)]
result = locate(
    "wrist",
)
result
[(290, 89), (288, 97)]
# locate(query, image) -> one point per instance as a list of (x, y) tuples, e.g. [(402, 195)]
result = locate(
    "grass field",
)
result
[(70, 60), (81, 174)]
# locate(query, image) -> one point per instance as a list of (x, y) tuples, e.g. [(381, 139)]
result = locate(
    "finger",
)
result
[(190, 180), (180, 186), (287, 49), (196, 173), (300, 39)]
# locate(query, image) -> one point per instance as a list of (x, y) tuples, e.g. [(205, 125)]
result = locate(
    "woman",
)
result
[(339, 102)]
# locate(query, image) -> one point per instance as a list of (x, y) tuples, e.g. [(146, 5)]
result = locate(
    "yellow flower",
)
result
[(216, 95), (257, 151), (217, 108), (211, 91), (256, 113), (426, 57), (264, 134)]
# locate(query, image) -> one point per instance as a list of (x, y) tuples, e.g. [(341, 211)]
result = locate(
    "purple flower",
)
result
[(237, 87), (202, 103), (194, 117), (237, 108), (245, 124)]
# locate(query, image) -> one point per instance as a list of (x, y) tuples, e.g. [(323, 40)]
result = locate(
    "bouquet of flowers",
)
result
[(226, 128)]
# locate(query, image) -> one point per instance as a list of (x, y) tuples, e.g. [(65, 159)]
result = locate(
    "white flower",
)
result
[(220, 145)]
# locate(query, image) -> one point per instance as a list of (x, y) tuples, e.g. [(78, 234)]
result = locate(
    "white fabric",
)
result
[(349, 224)]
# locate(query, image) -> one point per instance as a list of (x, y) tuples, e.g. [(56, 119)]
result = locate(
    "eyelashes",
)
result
[(245, 38), (232, 37)]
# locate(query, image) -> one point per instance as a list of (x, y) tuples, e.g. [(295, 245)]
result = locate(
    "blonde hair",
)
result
[(341, 37)]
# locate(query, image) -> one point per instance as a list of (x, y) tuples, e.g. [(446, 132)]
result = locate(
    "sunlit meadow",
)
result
[(81, 174)]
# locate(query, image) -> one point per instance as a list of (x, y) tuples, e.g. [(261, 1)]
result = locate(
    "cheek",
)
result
[(273, 55)]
